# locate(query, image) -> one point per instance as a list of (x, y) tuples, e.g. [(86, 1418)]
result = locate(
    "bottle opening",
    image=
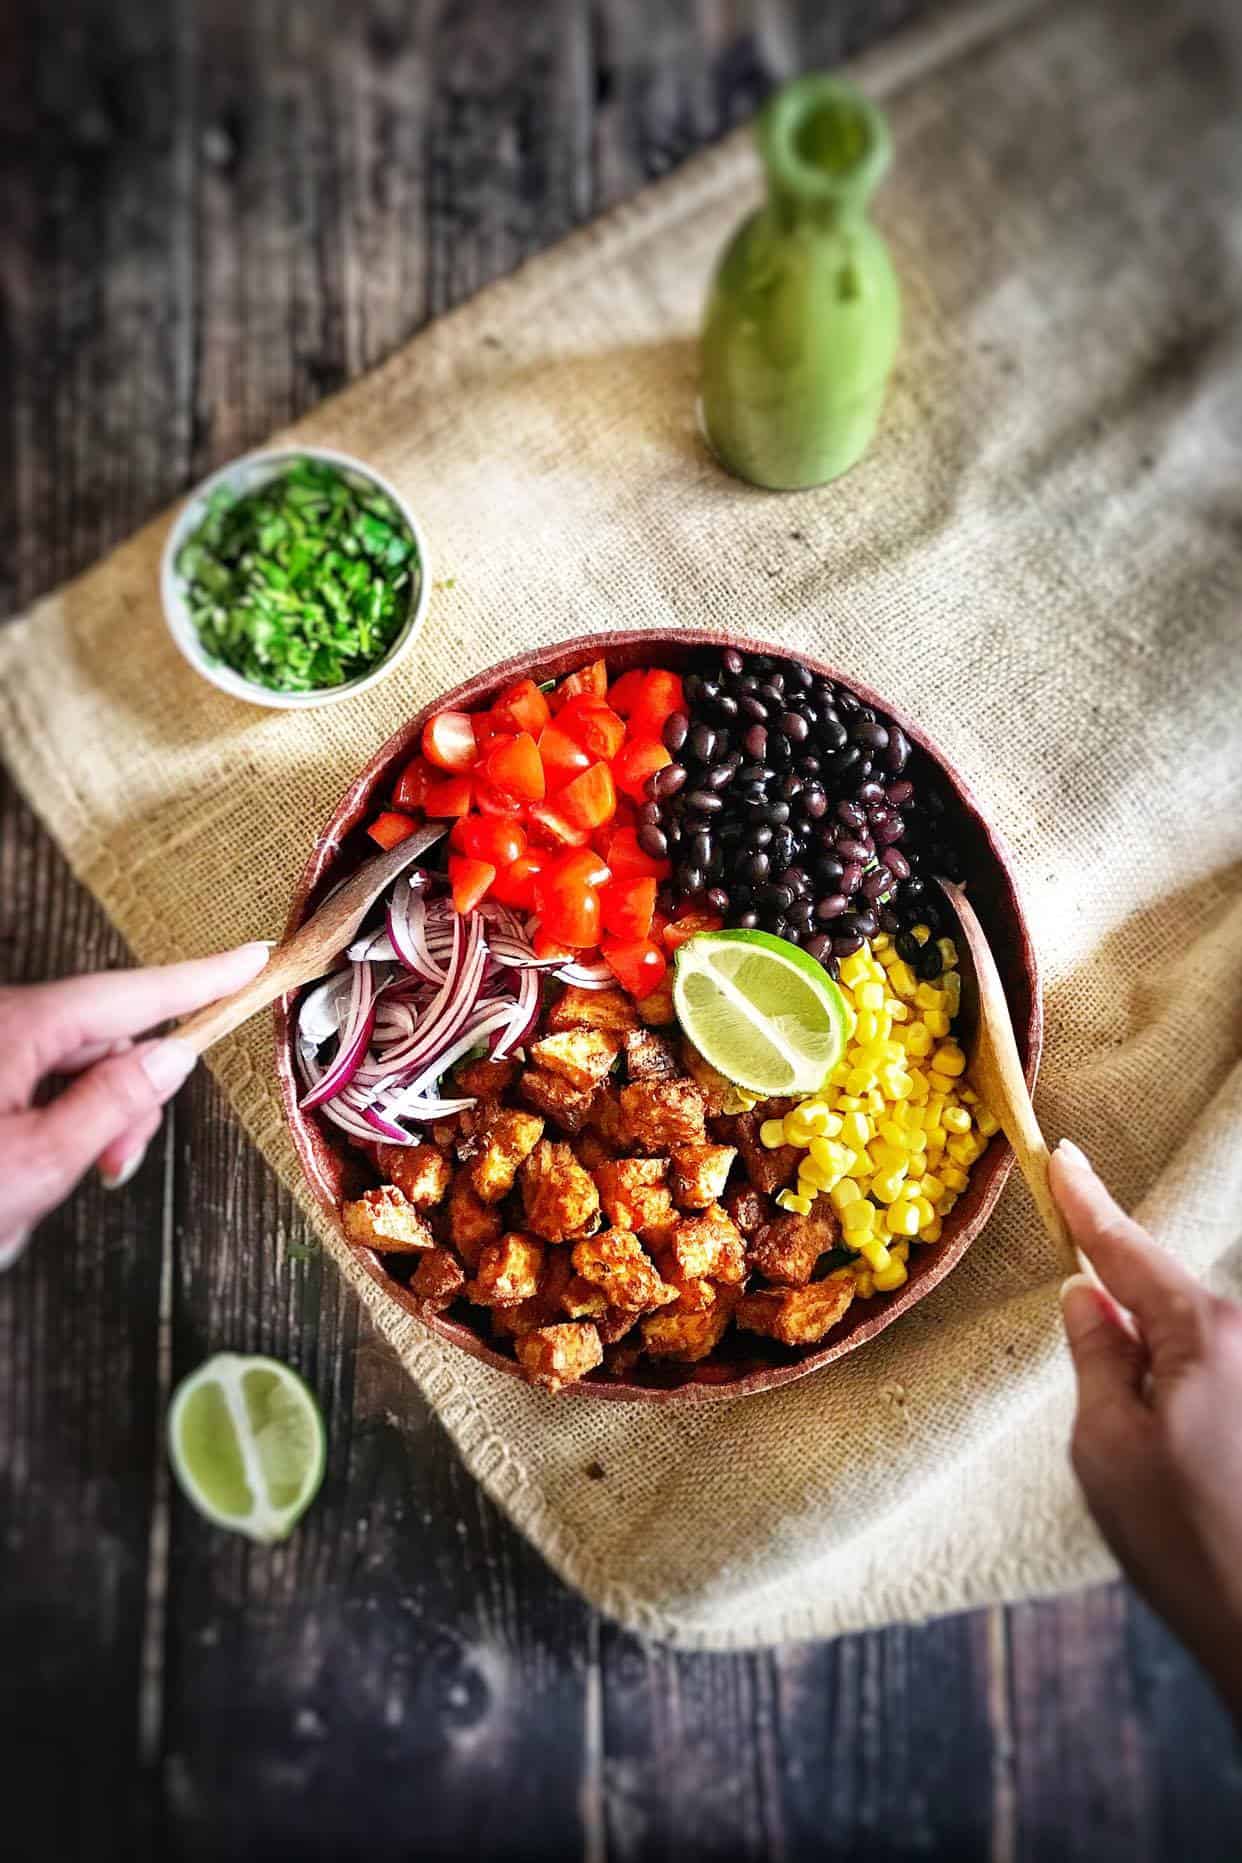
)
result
[(823, 141), (832, 137)]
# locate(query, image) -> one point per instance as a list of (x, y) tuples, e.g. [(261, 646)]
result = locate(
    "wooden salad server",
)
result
[(314, 947), (996, 1070)]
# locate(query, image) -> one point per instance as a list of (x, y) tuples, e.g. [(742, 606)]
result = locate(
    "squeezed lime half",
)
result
[(760, 1010), (247, 1444)]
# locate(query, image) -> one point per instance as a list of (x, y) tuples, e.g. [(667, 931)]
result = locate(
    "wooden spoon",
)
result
[(997, 1073), (314, 947)]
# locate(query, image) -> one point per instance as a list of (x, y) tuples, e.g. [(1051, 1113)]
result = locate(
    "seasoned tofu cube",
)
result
[(554, 1356), (508, 1139), (616, 1262), (580, 1056), (605, 1117), (438, 1279), (649, 1057), (798, 1315), (656, 1008), (508, 1271), (560, 1198), (659, 1114), (787, 1248), (472, 1224), (767, 1170), (593, 1150), (749, 1208), (709, 1247), (615, 1323), (717, 1089), (420, 1171), (544, 1307), (693, 1291), (687, 1334), (635, 1194), (700, 1173), (566, 1106), (611, 1010), (582, 1300), (485, 1079), (386, 1220)]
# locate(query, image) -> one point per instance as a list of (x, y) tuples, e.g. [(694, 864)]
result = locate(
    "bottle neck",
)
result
[(824, 148)]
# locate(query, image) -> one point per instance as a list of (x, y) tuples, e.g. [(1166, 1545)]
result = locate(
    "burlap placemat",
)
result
[(1039, 558)]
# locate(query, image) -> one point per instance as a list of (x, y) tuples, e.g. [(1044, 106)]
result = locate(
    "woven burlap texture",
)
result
[(1039, 559)]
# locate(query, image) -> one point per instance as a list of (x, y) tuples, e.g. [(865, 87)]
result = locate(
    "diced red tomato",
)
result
[(635, 763), (591, 799), (563, 757), (628, 861), (687, 924), (495, 838), (638, 965), (661, 696), (547, 824), (628, 907), (389, 828), (567, 899), (543, 946), (594, 725), (584, 864), (492, 801), (470, 880), (512, 763), (452, 795), (449, 741), (592, 679), (514, 885), (522, 708), (623, 693), (411, 789), (485, 729)]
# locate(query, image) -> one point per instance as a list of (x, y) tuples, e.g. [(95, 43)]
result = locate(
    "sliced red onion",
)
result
[(355, 1036), (377, 949), (585, 976), (523, 1021)]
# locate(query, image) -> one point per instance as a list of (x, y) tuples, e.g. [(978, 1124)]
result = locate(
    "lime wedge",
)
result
[(247, 1444), (760, 1010)]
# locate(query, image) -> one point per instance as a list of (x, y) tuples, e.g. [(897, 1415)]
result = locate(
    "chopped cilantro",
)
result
[(304, 583)]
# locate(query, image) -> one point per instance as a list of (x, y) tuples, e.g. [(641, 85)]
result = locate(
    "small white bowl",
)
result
[(245, 475)]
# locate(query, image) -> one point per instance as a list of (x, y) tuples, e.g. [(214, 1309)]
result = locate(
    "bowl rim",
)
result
[(578, 650), (250, 467)]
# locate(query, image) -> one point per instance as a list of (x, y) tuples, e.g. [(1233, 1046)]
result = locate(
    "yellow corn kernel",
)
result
[(900, 1251), (919, 1040), (886, 1185), (948, 953), (891, 1051), (902, 1219), (842, 1194), (790, 1200), (855, 968), (858, 1218), (918, 1141), (772, 1133), (944, 1204), (887, 1155), (968, 1096), (876, 1102), (867, 1027), (889, 1279), (986, 1122), (920, 1085), (887, 956), (896, 1010), (932, 1231), (849, 1103), (896, 1082), (856, 1129), (865, 1280), (932, 1186), (936, 1022), (876, 1255), (860, 1080), (870, 995), (812, 1178), (921, 933), (949, 1058), (861, 1168), (927, 996), (924, 1211), (879, 943), (955, 1119), (951, 983), (965, 1149), (953, 1177), (903, 981), (838, 1074), (894, 1131)]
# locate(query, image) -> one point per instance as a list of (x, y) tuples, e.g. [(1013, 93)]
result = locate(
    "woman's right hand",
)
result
[(1157, 1442)]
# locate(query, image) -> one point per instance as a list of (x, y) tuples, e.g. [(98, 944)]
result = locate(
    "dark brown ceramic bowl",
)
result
[(743, 1363)]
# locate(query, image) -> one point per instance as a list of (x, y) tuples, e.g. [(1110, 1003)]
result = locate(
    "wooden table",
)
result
[(213, 212)]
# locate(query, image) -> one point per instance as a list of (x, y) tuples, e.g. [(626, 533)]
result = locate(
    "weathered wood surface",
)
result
[(210, 215)]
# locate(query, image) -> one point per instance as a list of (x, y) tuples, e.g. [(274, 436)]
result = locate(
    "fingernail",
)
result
[(113, 1180), (258, 950), (12, 1247), (1071, 1284), (1071, 1155), (166, 1064)]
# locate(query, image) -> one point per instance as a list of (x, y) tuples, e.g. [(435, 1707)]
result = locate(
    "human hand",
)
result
[(1156, 1445), (86, 1026)]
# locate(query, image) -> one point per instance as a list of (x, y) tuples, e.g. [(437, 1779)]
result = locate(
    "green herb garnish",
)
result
[(304, 583)]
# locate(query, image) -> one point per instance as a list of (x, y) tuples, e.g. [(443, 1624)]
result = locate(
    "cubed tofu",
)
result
[(582, 1300), (605, 1117), (616, 1262), (615, 1323), (635, 1193), (700, 1173), (749, 1208), (708, 1247), (656, 1008), (386, 1220), (583, 1057), (659, 1114), (649, 1057), (486, 1080), (507, 1140), (787, 1248), (420, 1171), (798, 1315), (687, 1334), (544, 1308), (472, 1224), (438, 1279), (559, 1197), (567, 1107), (767, 1170), (554, 1356), (611, 1010), (717, 1089), (508, 1271), (592, 1150), (693, 1291)]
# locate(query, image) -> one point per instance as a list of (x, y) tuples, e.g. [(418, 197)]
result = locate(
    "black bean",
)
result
[(676, 731), (703, 801), (718, 900), (797, 878), (809, 766), (814, 801), (692, 686), (832, 734), (794, 726), (870, 792), (819, 947), (780, 755), (930, 963), (889, 921), (755, 742), (776, 812), (846, 946), (878, 884), (850, 849), (773, 690), (717, 778), (732, 661), (749, 706), (776, 923), (907, 947), (791, 786), (762, 835), (798, 678), (779, 896), (700, 850), (843, 760), (801, 913), (888, 831), (851, 814), (851, 877), (653, 841), (649, 814), (726, 706), (709, 691), (748, 920), (673, 830), (898, 752), (867, 923), (782, 845), (869, 733), (896, 863), (701, 743), (757, 868), (690, 879), (668, 781), (898, 794), (831, 906), (846, 702)]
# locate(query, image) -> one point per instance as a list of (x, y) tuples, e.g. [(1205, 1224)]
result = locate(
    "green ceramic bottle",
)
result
[(803, 317)]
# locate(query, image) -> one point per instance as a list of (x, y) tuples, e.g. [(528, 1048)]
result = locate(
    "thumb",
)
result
[(1109, 1361), (101, 1105)]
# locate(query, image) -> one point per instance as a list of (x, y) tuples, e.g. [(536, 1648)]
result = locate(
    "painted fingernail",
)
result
[(113, 1180), (166, 1064), (1071, 1154), (12, 1247)]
